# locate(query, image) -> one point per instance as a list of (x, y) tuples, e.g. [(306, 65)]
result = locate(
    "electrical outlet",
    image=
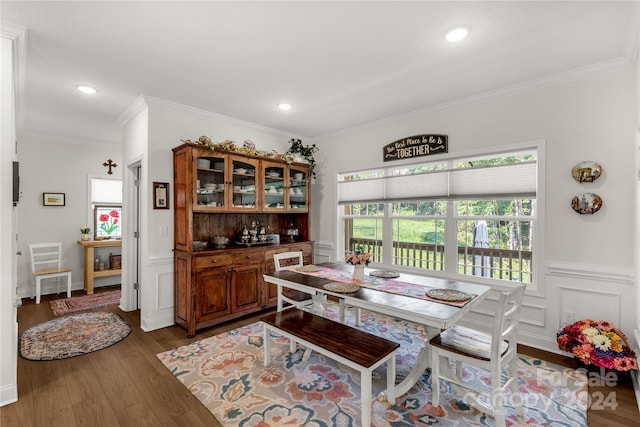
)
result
[(569, 317)]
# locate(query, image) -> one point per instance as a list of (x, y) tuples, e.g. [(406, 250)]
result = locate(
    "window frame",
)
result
[(452, 218)]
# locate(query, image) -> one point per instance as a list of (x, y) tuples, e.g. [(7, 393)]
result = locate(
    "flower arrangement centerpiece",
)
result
[(359, 259), (599, 344)]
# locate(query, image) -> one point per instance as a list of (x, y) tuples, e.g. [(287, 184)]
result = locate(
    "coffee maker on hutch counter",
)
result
[(249, 199)]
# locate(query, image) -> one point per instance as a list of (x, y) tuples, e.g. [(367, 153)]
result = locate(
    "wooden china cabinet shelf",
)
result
[(218, 193)]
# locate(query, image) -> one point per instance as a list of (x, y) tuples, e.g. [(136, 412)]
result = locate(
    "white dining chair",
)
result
[(46, 263), (297, 299), (495, 352), (290, 261)]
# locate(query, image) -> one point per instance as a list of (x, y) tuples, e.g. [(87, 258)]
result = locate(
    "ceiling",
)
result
[(340, 64)]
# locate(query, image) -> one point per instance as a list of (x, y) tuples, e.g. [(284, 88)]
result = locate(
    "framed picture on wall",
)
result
[(160, 195), (53, 199)]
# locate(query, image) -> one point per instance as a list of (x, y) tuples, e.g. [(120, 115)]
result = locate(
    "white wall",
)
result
[(47, 166), (590, 259), (169, 123)]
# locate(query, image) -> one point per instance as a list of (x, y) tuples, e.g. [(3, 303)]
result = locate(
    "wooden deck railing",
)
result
[(504, 264)]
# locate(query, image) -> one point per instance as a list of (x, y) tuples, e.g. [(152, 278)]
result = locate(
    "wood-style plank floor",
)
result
[(126, 385)]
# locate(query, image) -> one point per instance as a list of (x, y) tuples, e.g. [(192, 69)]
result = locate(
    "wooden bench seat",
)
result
[(350, 346)]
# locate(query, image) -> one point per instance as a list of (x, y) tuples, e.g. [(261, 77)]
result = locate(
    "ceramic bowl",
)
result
[(240, 170), (199, 245), (203, 163), (220, 241), (298, 176)]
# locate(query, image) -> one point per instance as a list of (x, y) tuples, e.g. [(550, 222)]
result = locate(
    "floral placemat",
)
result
[(386, 285)]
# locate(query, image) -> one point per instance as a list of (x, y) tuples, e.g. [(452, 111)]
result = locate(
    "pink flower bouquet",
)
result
[(597, 343), (357, 257)]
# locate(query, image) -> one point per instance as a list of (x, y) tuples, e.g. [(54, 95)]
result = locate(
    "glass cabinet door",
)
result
[(210, 182), (275, 188), (298, 189), (243, 184)]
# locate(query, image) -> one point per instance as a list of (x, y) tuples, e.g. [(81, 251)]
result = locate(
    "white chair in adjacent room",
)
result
[(495, 352), (46, 263)]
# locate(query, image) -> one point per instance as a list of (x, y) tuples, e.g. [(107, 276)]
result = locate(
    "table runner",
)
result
[(392, 286)]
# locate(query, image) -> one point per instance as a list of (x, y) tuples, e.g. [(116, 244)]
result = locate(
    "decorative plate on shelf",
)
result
[(384, 274), (309, 268), (448, 295), (341, 288), (587, 171)]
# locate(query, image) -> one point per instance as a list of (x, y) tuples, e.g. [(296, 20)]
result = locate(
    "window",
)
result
[(463, 216), (106, 206)]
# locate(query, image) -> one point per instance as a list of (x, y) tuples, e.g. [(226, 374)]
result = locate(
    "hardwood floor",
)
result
[(126, 385)]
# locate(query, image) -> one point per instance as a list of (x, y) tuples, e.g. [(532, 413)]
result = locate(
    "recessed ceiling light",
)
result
[(87, 89), (456, 34), (284, 107)]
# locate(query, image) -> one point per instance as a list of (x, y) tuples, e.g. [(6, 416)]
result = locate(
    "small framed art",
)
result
[(160, 195), (53, 199)]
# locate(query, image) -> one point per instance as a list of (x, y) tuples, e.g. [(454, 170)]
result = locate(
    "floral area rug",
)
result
[(73, 336), (85, 302), (227, 374)]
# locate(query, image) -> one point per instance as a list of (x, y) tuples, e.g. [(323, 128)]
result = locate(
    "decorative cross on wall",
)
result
[(110, 165)]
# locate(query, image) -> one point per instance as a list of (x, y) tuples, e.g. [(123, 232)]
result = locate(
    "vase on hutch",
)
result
[(358, 272), (85, 237)]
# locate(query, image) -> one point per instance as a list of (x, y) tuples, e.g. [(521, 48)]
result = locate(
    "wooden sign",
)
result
[(415, 146)]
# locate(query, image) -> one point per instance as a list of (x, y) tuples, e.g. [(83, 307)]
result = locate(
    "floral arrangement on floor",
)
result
[(358, 257), (598, 343)]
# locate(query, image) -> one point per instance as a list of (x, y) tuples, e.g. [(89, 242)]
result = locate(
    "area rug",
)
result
[(227, 374), (85, 302), (73, 336)]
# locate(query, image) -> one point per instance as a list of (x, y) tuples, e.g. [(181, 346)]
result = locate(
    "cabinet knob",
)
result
[(213, 261), (249, 257)]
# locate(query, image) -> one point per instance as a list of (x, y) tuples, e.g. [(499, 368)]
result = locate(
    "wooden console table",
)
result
[(89, 256)]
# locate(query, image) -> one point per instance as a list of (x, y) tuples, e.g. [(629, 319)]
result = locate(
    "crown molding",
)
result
[(139, 105), (561, 78)]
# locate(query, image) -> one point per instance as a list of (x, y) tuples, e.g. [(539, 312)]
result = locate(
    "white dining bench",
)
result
[(345, 344)]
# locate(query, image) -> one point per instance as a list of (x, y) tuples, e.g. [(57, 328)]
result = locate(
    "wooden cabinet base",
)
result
[(212, 287)]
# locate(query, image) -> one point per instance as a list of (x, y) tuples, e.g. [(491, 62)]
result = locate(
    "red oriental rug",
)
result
[(85, 302)]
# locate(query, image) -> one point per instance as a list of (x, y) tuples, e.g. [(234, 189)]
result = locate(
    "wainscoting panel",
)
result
[(156, 287)]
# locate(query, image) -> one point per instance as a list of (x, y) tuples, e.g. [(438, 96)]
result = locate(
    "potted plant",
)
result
[(303, 153), (85, 230)]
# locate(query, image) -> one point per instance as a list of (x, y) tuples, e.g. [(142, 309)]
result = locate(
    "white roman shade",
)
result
[(361, 191), (515, 180)]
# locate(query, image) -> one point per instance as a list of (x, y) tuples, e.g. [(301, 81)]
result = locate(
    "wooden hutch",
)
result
[(222, 193)]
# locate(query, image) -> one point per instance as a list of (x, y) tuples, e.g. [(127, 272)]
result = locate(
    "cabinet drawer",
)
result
[(247, 257), (213, 261)]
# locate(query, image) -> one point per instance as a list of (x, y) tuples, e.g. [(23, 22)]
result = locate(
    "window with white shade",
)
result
[(475, 215)]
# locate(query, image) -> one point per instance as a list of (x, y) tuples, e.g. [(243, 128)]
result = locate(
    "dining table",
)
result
[(397, 294)]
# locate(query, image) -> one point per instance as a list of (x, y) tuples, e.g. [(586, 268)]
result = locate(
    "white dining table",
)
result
[(433, 315)]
